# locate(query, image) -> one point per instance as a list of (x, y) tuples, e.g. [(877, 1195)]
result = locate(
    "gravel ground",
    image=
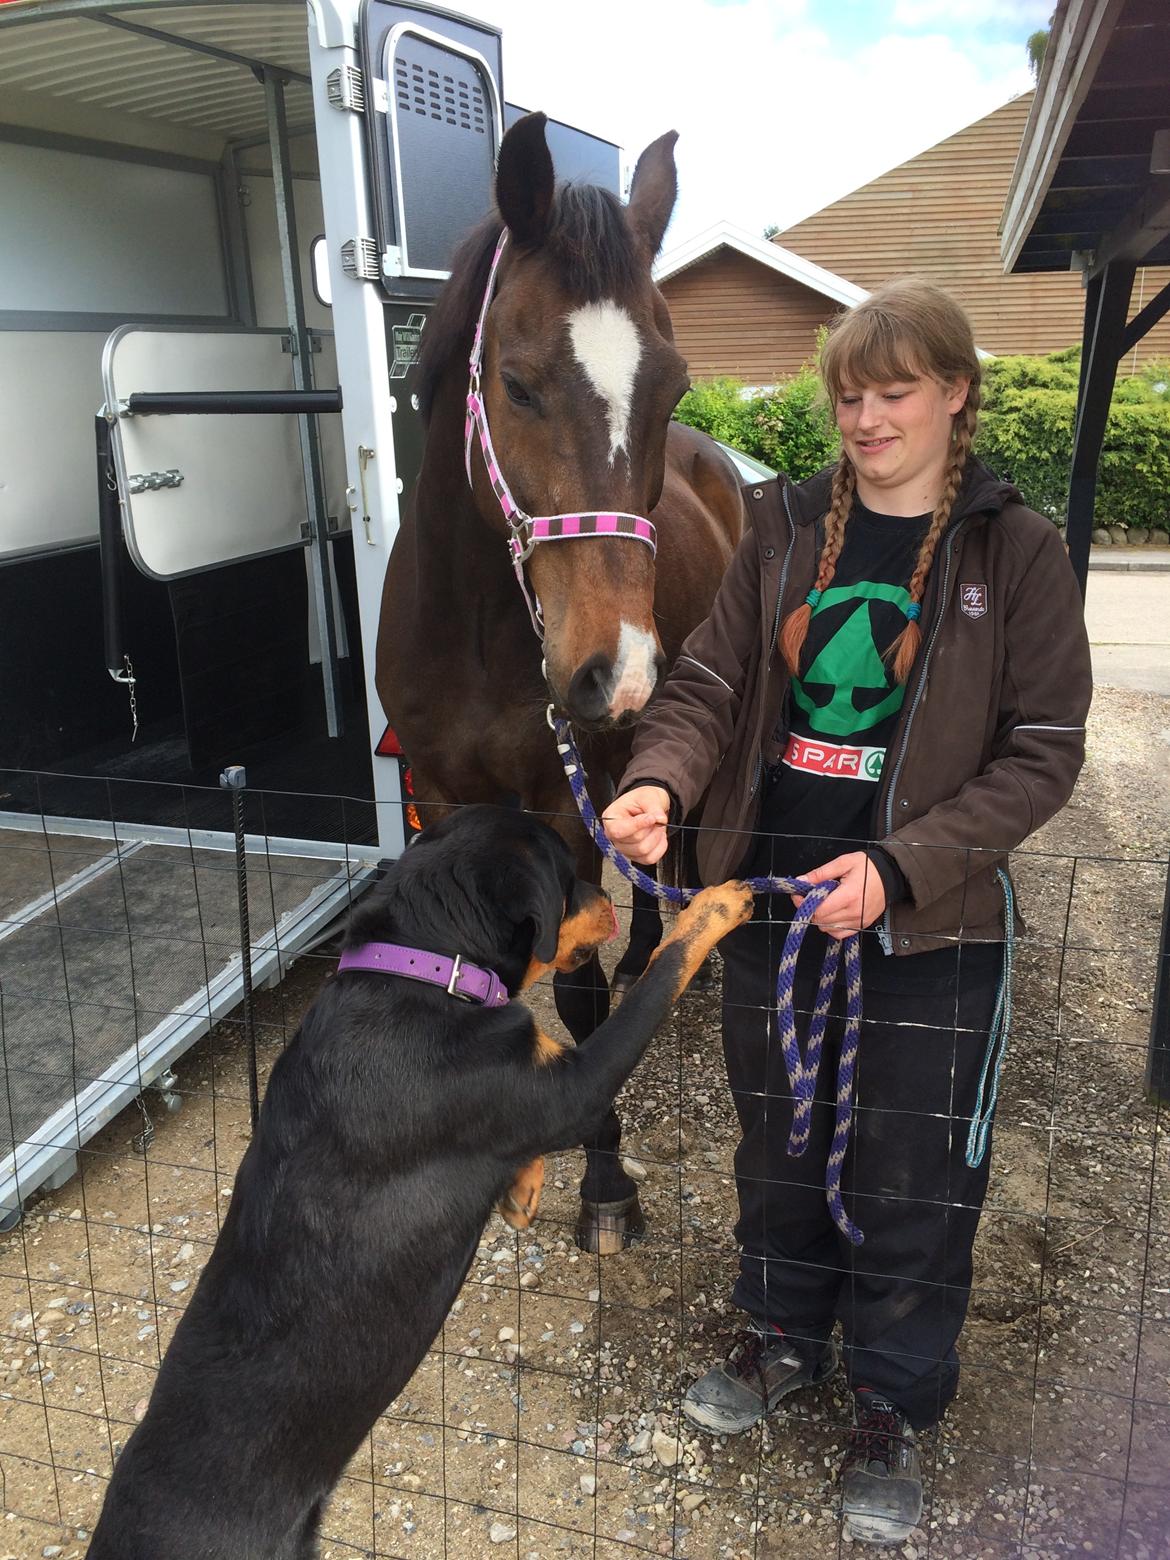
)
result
[(546, 1420)]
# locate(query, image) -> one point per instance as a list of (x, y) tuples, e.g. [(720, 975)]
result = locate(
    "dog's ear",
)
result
[(530, 894), (546, 911)]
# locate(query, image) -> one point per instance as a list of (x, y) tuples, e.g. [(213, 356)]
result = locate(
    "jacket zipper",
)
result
[(759, 769), (886, 934)]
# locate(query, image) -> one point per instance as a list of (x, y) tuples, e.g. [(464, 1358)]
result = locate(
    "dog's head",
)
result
[(497, 886)]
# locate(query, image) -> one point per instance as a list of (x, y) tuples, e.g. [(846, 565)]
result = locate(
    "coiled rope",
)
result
[(802, 1066)]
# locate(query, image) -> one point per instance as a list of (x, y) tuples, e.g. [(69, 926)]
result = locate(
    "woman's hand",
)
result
[(636, 823), (855, 903)]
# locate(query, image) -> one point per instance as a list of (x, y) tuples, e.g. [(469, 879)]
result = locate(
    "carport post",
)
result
[(1106, 307), (294, 298)]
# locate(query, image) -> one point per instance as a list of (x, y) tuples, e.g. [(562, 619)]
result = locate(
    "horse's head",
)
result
[(580, 377)]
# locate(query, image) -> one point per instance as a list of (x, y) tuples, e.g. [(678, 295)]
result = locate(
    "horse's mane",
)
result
[(590, 243)]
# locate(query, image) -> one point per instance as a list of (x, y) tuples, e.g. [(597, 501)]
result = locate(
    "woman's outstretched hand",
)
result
[(636, 823), (856, 902)]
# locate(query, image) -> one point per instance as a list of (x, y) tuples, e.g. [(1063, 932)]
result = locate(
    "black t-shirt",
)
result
[(843, 707)]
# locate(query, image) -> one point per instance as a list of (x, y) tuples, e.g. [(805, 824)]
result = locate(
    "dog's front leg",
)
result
[(571, 1088)]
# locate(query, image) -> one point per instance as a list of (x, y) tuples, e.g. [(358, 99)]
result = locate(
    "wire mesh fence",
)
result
[(546, 1419)]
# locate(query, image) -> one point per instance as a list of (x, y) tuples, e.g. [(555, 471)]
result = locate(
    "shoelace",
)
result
[(748, 1352), (877, 1435)]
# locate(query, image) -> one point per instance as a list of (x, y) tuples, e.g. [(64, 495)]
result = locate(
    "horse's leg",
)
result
[(610, 1216), (645, 935)]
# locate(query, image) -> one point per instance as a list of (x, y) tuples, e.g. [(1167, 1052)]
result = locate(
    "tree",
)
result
[(771, 230), (1037, 46)]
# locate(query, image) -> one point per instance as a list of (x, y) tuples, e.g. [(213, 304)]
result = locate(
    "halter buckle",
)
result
[(522, 542)]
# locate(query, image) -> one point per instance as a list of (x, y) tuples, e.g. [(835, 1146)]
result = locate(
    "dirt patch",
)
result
[(545, 1422)]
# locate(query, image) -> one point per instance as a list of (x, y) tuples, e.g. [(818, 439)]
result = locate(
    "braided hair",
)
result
[(905, 330)]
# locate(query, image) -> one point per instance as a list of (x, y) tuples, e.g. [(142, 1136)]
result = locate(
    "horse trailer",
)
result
[(225, 225)]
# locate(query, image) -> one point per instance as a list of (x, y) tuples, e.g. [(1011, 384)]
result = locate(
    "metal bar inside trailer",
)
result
[(174, 403)]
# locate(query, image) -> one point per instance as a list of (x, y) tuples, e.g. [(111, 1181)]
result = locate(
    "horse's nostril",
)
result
[(588, 695)]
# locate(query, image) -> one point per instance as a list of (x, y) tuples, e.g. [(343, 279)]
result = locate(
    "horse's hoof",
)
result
[(605, 1228)]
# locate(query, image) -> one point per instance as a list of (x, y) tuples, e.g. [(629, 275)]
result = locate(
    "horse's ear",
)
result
[(525, 180), (653, 193)]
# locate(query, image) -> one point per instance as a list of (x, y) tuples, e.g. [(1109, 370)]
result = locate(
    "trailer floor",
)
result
[(116, 955)]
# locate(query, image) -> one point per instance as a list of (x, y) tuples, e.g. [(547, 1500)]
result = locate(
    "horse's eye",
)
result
[(515, 391)]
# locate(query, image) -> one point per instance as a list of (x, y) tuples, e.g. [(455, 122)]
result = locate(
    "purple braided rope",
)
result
[(803, 1068)]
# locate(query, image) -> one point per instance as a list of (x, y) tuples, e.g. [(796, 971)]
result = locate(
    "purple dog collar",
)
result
[(467, 981)]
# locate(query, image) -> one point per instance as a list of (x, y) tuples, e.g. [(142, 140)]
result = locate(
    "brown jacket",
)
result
[(991, 736)]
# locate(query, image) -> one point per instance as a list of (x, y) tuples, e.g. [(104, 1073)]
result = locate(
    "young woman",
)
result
[(891, 691)]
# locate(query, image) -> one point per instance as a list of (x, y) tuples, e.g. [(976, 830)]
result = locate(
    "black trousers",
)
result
[(901, 1297)]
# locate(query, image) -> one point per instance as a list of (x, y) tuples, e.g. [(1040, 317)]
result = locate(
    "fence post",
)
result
[(235, 779)]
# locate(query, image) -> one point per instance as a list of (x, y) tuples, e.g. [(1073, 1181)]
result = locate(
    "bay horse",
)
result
[(578, 382)]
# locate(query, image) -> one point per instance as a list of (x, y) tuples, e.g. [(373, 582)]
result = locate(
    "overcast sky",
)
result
[(781, 105)]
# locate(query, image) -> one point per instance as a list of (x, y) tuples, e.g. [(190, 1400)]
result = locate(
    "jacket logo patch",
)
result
[(973, 600)]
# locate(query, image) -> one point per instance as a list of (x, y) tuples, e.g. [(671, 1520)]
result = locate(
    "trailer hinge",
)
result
[(359, 259), (346, 89), (151, 481), (289, 346), (332, 527)]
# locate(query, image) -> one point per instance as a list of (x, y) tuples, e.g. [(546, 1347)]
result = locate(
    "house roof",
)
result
[(783, 261), (1093, 174)]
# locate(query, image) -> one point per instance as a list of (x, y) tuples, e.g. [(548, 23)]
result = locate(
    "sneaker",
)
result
[(881, 1476), (760, 1369)]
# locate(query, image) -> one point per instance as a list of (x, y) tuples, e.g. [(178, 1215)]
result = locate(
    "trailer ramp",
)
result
[(119, 948)]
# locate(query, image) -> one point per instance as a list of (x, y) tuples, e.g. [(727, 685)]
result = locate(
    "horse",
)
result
[(577, 376)]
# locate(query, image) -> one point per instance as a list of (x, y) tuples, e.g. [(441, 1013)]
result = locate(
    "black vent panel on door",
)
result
[(455, 99), (433, 134)]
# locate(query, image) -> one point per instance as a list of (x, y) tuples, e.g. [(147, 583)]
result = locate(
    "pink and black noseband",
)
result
[(527, 531)]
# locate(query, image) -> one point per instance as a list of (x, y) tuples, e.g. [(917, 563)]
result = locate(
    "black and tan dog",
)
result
[(395, 1120)]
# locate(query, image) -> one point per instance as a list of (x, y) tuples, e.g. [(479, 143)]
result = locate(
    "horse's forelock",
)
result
[(589, 243)]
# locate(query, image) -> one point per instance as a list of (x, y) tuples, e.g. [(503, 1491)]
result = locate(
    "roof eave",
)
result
[(784, 261), (1079, 38)]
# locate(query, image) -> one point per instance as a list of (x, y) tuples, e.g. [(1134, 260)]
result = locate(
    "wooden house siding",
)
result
[(734, 316), (938, 216)]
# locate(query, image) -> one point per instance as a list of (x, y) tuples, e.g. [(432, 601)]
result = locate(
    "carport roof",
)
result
[(189, 65), (1090, 179)]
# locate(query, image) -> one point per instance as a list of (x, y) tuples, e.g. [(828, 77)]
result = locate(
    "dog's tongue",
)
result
[(614, 927)]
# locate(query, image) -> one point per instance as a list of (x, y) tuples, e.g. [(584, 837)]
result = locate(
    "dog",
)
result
[(397, 1117)]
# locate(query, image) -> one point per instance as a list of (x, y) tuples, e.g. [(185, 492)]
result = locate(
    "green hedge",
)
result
[(789, 426), (1025, 431)]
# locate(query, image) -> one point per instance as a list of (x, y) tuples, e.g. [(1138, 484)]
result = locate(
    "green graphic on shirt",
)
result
[(850, 661)]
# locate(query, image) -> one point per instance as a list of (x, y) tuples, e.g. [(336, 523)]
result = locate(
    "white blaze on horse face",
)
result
[(607, 346), (634, 671)]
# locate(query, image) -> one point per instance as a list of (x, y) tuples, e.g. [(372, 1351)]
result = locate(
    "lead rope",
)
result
[(997, 1040), (803, 1068)]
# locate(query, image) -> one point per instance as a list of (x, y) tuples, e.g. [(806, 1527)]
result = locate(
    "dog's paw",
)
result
[(714, 912), (518, 1206)]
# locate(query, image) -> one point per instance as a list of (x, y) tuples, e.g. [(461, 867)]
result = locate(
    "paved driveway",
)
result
[(1129, 628)]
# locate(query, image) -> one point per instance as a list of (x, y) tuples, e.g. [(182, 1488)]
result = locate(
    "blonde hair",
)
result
[(908, 329)]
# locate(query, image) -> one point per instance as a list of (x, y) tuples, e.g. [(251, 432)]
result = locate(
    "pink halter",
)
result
[(527, 530)]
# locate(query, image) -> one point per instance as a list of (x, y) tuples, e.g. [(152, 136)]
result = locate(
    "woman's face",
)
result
[(898, 436)]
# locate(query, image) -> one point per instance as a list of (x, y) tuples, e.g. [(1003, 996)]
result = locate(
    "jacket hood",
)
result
[(981, 493)]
